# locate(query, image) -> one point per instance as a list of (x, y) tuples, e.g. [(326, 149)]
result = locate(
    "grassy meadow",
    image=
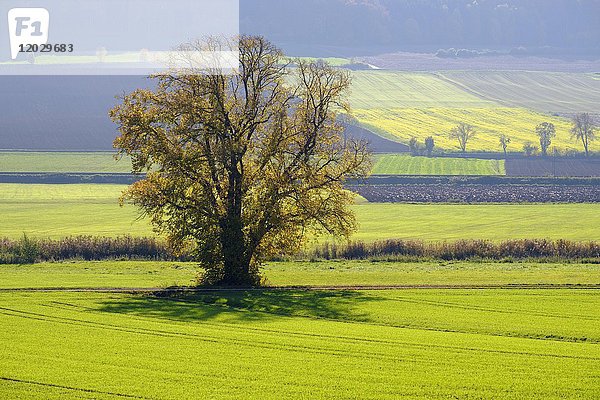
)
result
[(158, 274), (56, 211), (399, 164)]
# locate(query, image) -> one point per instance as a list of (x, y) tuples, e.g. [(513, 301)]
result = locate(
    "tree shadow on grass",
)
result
[(245, 305)]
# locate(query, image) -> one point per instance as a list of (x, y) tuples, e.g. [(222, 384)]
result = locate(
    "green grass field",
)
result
[(438, 222), (62, 162), (396, 164), (541, 91), (427, 343), (61, 210), (57, 211)]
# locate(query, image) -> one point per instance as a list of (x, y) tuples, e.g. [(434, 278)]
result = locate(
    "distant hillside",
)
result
[(71, 113), (60, 113), (360, 27)]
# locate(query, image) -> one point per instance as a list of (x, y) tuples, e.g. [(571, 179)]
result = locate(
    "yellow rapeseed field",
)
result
[(517, 123)]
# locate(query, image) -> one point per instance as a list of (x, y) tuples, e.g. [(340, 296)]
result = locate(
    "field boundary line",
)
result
[(28, 382), (300, 288)]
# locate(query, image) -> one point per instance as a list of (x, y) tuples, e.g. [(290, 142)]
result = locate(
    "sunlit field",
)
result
[(490, 123), (470, 271), (503, 344), (62, 162), (403, 105), (541, 91), (392, 89), (338, 273), (398, 164), (56, 211)]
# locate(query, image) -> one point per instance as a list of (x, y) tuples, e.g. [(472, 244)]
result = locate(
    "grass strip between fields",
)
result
[(151, 275)]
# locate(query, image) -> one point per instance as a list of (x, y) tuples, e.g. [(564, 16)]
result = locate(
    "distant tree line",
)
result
[(583, 131), (566, 24)]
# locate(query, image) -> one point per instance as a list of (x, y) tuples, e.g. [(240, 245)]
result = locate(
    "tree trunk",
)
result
[(236, 261), (236, 265)]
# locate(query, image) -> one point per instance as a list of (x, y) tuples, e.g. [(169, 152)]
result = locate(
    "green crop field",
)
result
[(56, 211), (333, 61), (62, 162), (541, 91), (61, 210), (435, 222), (502, 344), (396, 164)]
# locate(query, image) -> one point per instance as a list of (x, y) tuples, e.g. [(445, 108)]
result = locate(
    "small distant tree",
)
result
[(529, 149), (463, 133), (413, 145), (429, 145), (584, 130), (504, 142), (546, 132)]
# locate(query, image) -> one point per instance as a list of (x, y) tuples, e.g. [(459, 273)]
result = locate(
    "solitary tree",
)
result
[(584, 129), (242, 167), (546, 132), (504, 142), (429, 145), (413, 145), (463, 133)]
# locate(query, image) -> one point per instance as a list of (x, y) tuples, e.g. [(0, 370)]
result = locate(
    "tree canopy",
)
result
[(246, 166), (546, 131), (463, 133)]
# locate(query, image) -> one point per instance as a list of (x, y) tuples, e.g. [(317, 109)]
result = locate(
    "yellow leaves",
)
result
[(250, 156)]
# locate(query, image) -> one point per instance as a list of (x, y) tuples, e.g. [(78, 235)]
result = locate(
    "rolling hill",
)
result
[(71, 113), (562, 93)]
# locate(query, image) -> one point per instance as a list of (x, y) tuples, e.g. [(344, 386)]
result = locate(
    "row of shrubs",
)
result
[(93, 248), (460, 250), (89, 248)]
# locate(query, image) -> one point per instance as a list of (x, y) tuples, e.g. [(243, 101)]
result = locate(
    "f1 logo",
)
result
[(27, 26)]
